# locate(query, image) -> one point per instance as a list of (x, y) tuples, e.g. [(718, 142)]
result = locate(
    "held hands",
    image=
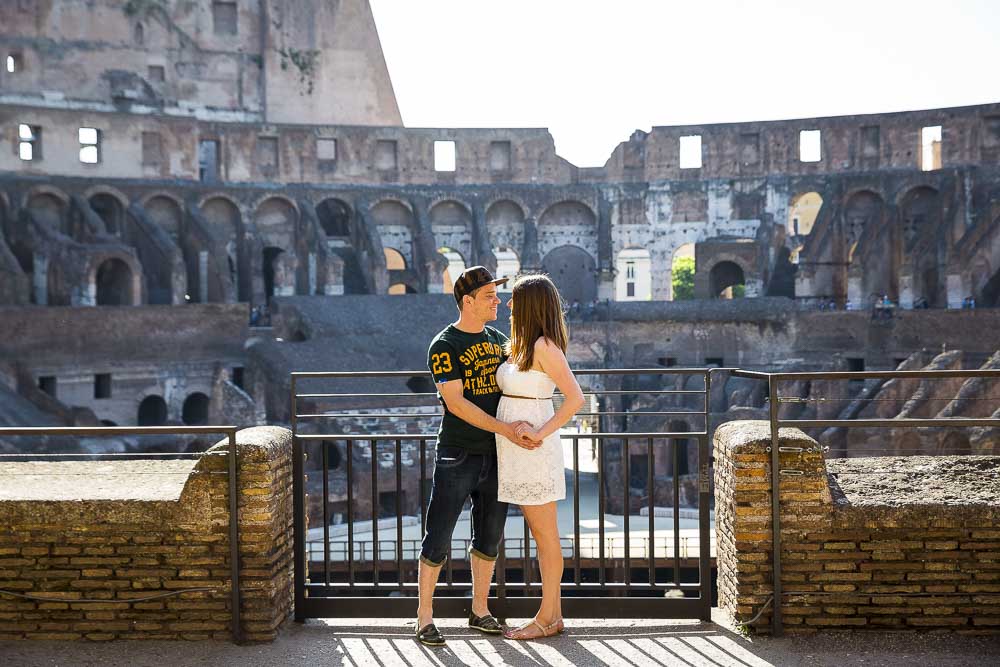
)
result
[(524, 435)]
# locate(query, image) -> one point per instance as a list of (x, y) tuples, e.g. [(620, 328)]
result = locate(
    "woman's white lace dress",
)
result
[(528, 476)]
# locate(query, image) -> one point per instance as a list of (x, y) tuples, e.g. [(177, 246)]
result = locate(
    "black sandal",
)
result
[(430, 636), (486, 624)]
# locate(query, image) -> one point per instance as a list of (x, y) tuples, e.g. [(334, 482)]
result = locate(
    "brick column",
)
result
[(743, 516)]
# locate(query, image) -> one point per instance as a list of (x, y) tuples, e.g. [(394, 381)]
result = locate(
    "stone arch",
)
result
[(989, 295), (803, 209), (396, 226), (574, 272), (335, 217), (634, 276), (276, 218), (725, 280), (115, 283), (109, 204), (49, 206), (226, 223), (451, 224), (278, 269), (920, 209), (569, 222), (167, 213), (195, 409), (394, 260), (505, 225), (152, 411), (864, 212)]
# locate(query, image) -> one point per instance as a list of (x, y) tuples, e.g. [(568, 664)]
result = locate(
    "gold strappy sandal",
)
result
[(554, 628)]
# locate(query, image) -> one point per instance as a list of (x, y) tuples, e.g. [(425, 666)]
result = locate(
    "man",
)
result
[(463, 359)]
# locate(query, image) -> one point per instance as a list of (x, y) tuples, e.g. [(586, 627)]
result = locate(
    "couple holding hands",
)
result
[(499, 441)]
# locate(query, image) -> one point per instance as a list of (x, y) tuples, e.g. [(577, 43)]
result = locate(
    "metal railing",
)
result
[(776, 400), (364, 592), (107, 431)]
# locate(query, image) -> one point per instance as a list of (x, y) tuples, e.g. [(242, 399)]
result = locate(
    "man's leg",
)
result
[(452, 482), (488, 519)]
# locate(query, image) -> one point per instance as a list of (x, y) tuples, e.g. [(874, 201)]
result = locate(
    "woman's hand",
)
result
[(525, 436)]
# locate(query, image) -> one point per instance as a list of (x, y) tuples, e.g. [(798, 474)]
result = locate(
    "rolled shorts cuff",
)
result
[(479, 554), (427, 561)]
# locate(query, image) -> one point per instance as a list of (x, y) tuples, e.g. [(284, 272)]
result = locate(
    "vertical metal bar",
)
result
[(375, 511), (298, 511), (651, 544), (326, 511), (677, 511), (234, 539), (501, 572), (626, 461), (399, 513), (525, 553), (350, 513), (776, 623), (423, 482), (576, 511), (600, 510), (704, 500)]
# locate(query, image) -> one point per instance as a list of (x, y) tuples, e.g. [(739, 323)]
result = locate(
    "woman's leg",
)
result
[(545, 530)]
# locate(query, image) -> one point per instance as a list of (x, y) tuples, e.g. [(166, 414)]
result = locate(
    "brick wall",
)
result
[(113, 568), (845, 563)]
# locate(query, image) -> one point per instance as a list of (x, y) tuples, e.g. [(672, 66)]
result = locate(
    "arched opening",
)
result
[(152, 411), (634, 277), (114, 283), (276, 219), (989, 296), (726, 281), (451, 224), (110, 211), (682, 268), (456, 264), (139, 34), (166, 214), (508, 266), (226, 221), (49, 210), (334, 217), (394, 264), (574, 272), (568, 219), (396, 227), (270, 269), (195, 410), (802, 213), (505, 225)]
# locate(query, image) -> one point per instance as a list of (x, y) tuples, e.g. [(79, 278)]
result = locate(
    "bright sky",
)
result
[(592, 72)]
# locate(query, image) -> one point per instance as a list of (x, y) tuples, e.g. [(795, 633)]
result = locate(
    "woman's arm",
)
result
[(553, 362)]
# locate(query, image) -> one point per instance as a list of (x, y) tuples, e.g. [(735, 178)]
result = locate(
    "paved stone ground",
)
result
[(637, 643)]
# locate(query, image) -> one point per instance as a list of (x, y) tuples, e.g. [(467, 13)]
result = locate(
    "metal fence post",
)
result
[(772, 391), (234, 538)]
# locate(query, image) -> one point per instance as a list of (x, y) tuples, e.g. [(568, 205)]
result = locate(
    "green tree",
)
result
[(683, 278)]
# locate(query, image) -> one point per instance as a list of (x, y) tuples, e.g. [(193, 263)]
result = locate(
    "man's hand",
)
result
[(522, 435)]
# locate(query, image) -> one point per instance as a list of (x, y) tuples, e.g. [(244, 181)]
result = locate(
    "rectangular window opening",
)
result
[(15, 63), (855, 364), (102, 385), (267, 156), (90, 145), (385, 154), (930, 148), (152, 149), (208, 160), (690, 152), (444, 156), (237, 376), (810, 146), (326, 150), (47, 383), (750, 148), (156, 73), (499, 156), (630, 289), (29, 142), (224, 17), (870, 141)]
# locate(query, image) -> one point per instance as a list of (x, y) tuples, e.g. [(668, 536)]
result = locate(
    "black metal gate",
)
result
[(356, 563)]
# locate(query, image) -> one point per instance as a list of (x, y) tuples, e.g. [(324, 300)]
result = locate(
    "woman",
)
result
[(532, 475)]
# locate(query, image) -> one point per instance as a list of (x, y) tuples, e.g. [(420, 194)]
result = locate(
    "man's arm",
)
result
[(469, 412)]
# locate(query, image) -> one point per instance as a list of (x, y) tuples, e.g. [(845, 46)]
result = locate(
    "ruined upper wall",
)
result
[(265, 60), (970, 135)]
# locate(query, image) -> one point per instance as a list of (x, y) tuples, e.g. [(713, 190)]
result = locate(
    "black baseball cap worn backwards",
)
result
[(472, 279)]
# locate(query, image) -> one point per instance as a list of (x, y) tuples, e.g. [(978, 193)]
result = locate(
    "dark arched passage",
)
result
[(114, 283), (152, 411), (574, 272), (195, 410)]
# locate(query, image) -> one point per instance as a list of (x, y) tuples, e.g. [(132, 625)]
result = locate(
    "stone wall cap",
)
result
[(754, 436)]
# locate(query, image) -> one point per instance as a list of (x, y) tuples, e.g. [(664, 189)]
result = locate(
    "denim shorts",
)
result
[(460, 474)]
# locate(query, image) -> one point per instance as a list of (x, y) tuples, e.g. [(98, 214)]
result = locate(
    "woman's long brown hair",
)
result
[(537, 312)]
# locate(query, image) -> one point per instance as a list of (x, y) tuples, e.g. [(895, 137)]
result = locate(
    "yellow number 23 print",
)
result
[(440, 363)]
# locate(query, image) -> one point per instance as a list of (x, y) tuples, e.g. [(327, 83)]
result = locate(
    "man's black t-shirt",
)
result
[(472, 358)]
